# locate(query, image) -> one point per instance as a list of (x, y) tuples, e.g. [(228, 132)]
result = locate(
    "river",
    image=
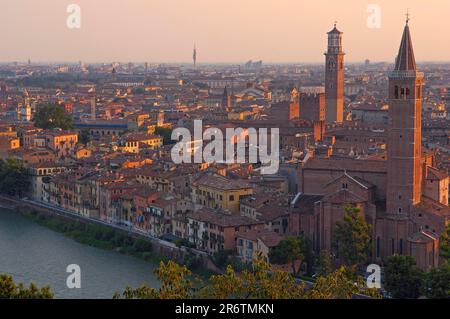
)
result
[(32, 253)]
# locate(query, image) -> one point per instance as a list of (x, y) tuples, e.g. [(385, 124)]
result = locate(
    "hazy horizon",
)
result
[(231, 32)]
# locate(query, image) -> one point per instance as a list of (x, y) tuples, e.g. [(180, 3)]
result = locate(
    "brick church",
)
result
[(400, 193)]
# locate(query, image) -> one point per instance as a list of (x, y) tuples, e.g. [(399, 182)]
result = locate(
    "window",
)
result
[(231, 198), (400, 247), (392, 246)]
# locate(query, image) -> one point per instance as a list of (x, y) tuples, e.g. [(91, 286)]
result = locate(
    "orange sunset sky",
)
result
[(224, 30)]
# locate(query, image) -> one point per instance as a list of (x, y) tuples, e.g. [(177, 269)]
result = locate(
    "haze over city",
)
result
[(226, 31)]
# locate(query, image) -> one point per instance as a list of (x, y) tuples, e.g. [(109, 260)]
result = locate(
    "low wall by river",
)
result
[(160, 247)]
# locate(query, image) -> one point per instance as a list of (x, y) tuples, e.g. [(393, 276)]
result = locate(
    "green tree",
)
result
[(11, 290), (221, 258), (52, 116), (437, 283), (260, 282), (84, 136), (340, 284), (175, 284), (444, 248), (288, 251), (403, 279), (352, 237), (308, 254), (325, 263), (166, 133), (14, 178)]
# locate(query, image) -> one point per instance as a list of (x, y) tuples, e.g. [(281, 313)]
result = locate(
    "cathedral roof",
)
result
[(405, 60), (343, 196), (422, 237)]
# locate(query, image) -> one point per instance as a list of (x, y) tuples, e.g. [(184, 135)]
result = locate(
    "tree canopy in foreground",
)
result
[(10, 290)]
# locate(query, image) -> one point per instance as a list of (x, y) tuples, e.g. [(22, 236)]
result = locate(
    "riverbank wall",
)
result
[(166, 250)]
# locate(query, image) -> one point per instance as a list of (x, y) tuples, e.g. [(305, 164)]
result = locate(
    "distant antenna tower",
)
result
[(194, 56)]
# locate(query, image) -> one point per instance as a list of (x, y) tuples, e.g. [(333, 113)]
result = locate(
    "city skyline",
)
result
[(152, 31)]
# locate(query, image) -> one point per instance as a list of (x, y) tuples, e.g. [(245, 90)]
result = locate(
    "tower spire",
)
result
[(405, 59)]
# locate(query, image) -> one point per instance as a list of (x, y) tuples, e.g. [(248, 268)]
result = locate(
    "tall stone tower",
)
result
[(404, 177), (334, 77)]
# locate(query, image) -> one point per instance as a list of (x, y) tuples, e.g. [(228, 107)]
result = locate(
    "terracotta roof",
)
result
[(350, 165), (269, 238), (222, 183), (220, 219), (272, 211), (435, 174), (430, 206)]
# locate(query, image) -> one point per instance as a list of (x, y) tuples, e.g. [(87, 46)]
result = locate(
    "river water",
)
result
[(32, 253)]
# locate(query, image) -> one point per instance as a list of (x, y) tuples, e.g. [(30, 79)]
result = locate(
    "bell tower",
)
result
[(404, 176), (334, 77)]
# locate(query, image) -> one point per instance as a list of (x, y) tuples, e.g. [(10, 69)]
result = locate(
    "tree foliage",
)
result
[(175, 284), (84, 137), (14, 178), (437, 283), (340, 284), (325, 263), (261, 281), (288, 251), (444, 248), (403, 279), (352, 237), (10, 290), (166, 133), (52, 116)]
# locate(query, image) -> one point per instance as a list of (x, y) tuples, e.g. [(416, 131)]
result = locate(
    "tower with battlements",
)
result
[(334, 77)]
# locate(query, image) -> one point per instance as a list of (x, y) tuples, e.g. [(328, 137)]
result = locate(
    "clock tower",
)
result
[(334, 77)]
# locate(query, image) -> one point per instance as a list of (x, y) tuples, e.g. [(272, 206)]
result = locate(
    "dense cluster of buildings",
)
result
[(373, 136)]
